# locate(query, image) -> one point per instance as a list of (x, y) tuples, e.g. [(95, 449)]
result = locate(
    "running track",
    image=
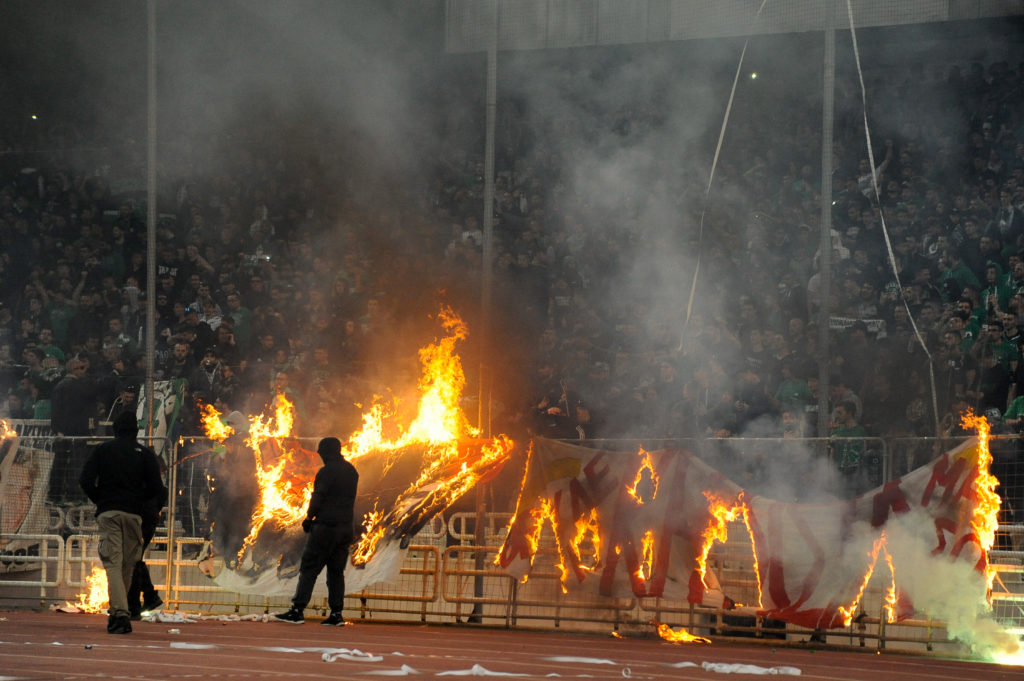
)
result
[(54, 645)]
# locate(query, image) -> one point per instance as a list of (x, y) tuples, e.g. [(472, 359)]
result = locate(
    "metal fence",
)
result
[(445, 577)]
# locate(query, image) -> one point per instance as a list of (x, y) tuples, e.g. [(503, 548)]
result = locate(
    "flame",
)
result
[(539, 515), (587, 531), (213, 426), (722, 514), (6, 431), (451, 466), (677, 636), (95, 599), (372, 529), (646, 567), (890, 591), (848, 610), (985, 520), (282, 498), (646, 465), (439, 421), (440, 425)]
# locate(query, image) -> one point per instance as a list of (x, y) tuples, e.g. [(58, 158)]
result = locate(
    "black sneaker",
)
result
[(153, 604), (119, 625), (293, 616), (334, 620)]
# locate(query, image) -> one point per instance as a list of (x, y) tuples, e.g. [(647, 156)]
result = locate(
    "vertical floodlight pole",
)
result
[(825, 259), (486, 284), (150, 209), (151, 217)]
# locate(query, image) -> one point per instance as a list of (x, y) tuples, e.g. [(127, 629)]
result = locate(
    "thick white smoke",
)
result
[(950, 591)]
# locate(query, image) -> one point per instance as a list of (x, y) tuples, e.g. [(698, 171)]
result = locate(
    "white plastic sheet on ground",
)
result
[(404, 670), (352, 655), (579, 660), (729, 668), (477, 670)]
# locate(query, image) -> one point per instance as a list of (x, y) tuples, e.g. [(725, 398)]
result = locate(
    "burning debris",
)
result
[(94, 599), (408, 474), (647, 523), (677, 635)]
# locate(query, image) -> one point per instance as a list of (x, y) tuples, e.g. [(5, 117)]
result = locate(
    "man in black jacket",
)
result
[(329, 524), (122, 477)]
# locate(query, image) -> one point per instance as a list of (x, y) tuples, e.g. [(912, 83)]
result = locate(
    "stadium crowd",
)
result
[(268, 283)]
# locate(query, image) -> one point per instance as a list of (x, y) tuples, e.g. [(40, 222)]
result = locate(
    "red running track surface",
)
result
[(55, 645)]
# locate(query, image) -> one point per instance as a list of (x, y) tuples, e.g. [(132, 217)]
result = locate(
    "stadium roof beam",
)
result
[(547, 24)]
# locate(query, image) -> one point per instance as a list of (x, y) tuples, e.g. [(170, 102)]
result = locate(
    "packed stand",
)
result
[(265, 286)]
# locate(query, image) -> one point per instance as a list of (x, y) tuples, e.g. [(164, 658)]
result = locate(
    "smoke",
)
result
[(951, 591)]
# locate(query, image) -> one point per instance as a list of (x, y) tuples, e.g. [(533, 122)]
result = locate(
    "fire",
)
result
[(986, 514), (439, 425), (213, 426), (646, 466), (848, 611), (677, 636), (890, 591), (588, 530), (6, 431), (646, 566), (540, 515), (373, 529), (717, 530), (450, 467), (282, 499), (439, 420), (95, 599)]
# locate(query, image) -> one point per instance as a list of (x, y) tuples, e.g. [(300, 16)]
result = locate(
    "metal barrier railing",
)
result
[(442, 577), (47, 554), (460, 571), (423, 562)]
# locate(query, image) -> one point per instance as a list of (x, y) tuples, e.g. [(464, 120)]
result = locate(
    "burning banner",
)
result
[(407, 474), (24, 478), (643, 524)]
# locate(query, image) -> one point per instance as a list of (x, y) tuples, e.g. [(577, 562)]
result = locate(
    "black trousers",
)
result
[(142, 583), (326, 546)]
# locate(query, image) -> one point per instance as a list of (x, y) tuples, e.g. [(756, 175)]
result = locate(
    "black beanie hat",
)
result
[(125, 424), (330, 446)]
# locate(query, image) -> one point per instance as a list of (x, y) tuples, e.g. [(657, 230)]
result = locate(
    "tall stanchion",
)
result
[(486, 277), (825, 257), (151, 220)]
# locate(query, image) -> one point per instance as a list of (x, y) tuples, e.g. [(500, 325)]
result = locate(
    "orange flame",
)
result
[(677, 636), (722, 513), (212, 424), (587, 531), (848, 611), (94, 600), (985, 520), (439, 425), (6, 431), (372, 529), (439, 421), (646, 466), (646, 566), (890, 591)]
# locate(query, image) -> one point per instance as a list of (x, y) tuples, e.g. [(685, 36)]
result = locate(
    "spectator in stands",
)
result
[(180, 364), (195, 332), (127, 400), (72, 401), (848, 455)]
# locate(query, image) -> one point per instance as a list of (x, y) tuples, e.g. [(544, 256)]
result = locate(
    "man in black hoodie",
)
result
[(329, 524), (122, 477)]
